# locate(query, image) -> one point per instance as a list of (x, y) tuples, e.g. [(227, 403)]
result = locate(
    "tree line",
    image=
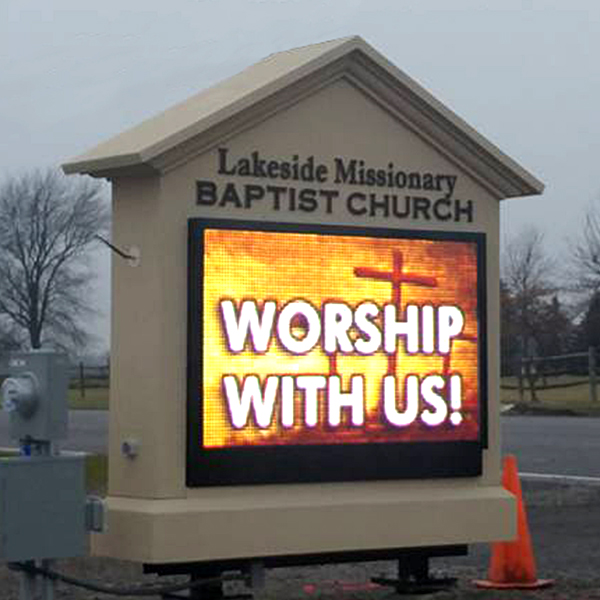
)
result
[(550, 308), (50, 226)]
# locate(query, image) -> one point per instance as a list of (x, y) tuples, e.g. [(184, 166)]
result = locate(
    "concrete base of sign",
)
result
[(228, 523)]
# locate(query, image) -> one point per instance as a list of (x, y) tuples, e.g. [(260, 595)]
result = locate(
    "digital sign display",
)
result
[(324, 353)]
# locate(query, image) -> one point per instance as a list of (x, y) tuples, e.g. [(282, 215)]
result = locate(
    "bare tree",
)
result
[(48, 223), (528, 283), (527, 273), (586, 254)]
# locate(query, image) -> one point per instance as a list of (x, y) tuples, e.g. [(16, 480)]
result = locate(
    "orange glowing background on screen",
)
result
[(291, 353)]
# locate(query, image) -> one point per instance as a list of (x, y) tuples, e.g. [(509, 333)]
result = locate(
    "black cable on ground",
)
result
[(143, 590)]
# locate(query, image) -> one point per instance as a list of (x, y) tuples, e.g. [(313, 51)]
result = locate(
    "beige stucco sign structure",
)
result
[(304, 354)]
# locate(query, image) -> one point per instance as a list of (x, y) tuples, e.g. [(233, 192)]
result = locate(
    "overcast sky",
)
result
[(525, 74)]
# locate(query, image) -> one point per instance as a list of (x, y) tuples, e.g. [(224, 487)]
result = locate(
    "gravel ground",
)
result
[(564, 520), (333, 582)]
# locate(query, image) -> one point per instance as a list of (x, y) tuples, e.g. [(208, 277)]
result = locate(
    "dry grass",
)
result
[(96, 474), (576, 398), (94, 399)]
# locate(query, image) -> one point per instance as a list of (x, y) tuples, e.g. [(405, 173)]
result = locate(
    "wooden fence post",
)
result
[(520, 370), (531, 376), (592, 370), (81, 380)]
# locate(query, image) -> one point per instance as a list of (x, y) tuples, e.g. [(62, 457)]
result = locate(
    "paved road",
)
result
[(554, 445), (88, 431)]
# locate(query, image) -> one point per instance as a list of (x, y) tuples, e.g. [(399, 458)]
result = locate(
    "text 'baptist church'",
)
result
[(345, 171)]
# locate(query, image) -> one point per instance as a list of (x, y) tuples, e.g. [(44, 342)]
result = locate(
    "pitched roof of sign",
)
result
[(144, 147)]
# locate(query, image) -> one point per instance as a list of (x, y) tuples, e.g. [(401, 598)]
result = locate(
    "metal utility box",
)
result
[(42, 507), (43, 375)]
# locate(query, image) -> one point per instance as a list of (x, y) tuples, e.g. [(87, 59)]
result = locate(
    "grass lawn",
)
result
[(95, 398), (96, 474), (575, 398)]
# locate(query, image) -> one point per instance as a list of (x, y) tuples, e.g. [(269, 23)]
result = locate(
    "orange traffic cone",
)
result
[(512, 565)]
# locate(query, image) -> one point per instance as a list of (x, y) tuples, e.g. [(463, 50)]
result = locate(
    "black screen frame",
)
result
[(333, 462)]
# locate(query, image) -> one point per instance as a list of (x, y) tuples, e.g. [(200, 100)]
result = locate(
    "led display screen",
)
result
[(322, 353)]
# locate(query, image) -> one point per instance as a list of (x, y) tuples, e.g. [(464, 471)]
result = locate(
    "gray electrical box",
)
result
[(35, 394), (42, 507)]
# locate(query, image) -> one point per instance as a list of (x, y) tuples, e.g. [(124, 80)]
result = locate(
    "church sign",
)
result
[(309, 335), (306, 337)]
